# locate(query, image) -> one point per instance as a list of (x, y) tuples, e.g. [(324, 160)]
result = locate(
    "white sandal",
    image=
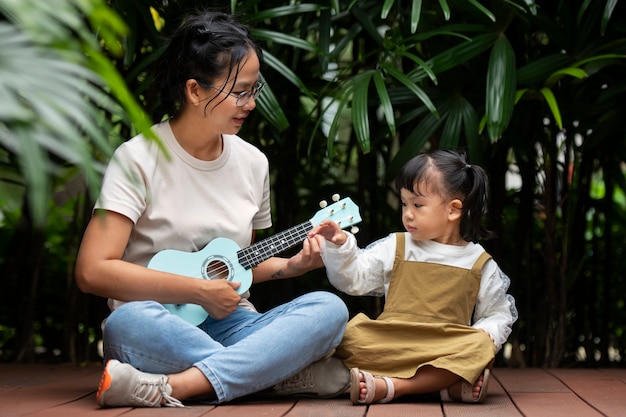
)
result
[(467, 391), (370, 385)]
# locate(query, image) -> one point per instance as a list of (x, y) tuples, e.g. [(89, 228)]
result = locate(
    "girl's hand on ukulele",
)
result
[(330, 231)]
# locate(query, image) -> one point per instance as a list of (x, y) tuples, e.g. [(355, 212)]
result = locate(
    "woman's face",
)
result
[(222, 111)]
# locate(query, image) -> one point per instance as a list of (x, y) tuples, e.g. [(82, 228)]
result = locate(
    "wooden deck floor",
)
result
[(69, 390)]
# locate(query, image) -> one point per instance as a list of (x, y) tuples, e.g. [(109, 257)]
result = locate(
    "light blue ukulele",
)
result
[(223, 259)]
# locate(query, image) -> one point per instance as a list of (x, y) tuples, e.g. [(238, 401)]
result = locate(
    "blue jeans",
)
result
[(239, 355)]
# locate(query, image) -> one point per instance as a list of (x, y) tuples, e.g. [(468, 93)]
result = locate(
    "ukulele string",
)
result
[(253, 255), (256, 253)]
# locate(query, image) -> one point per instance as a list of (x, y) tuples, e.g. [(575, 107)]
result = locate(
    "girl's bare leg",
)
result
[(426, 380)]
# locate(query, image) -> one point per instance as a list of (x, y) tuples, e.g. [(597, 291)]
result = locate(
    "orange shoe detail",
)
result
[(105, 382)]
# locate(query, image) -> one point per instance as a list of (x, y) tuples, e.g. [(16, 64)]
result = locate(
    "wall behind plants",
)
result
[(533, 91)]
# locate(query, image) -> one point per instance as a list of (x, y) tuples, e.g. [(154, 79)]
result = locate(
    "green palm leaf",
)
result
[(61, 92), (385, 101), (360, 117), (412, 86), (455, 55), (386, 8), (366, 22), (606, 15), (537, 70), (416, 11), (483, 9), (270, 108), (572, 72), (500, 94), (451, 132), (445, 8), (553, 105), (283, 38), (276, 12), (286, 72), (460, 117), (49, 114), (341, 104)]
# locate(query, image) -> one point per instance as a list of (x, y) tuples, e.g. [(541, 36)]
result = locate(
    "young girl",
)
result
[(209, 184), (446, 312)]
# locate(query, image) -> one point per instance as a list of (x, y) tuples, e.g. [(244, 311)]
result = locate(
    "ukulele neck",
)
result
[(255, 254)]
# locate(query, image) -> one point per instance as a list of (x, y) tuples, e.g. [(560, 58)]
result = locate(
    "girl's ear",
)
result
[(455, 209)]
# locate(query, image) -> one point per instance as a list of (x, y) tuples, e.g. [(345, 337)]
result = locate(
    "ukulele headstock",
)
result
[(343, 212)]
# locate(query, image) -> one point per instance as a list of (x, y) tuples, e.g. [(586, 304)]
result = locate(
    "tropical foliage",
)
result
[(532, 89)]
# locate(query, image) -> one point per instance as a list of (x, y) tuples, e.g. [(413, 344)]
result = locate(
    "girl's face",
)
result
[(222, 110), (426, 216)]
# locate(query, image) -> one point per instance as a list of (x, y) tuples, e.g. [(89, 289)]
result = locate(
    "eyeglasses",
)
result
[(244, 97)]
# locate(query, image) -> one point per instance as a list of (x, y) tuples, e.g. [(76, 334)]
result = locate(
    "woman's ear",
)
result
[(455, 210), (194, 93)]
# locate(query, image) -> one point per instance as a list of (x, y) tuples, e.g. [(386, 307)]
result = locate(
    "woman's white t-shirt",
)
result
[(179, 202)]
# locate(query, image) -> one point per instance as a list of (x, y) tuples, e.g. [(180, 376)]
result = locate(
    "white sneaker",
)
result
[(122, 385), (326, 378)]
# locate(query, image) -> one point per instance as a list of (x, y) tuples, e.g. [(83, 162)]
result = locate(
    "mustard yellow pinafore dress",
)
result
[(424, 322)]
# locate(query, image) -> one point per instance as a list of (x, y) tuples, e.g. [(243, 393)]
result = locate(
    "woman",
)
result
[(206, 183)]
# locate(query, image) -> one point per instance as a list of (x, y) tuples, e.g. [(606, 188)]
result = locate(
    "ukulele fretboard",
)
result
[(255, 254)]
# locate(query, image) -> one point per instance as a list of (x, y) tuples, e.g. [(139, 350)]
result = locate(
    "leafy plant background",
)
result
[(533, 90)]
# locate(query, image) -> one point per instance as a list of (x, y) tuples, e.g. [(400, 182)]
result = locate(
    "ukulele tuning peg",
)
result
[(335, 197), (354, 230), (323, 204)]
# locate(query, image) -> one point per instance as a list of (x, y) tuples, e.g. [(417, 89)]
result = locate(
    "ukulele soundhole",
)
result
[(217, 267)]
